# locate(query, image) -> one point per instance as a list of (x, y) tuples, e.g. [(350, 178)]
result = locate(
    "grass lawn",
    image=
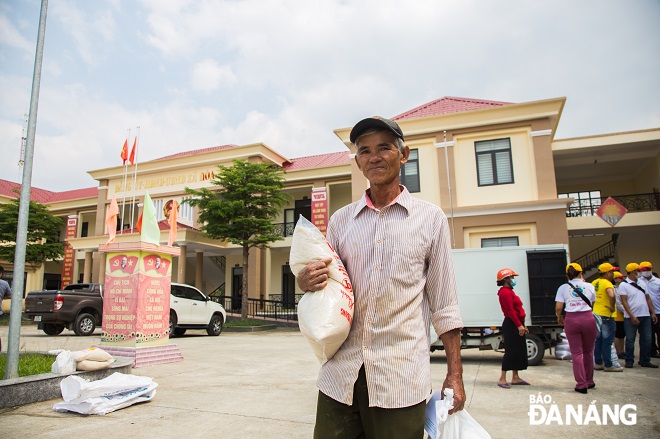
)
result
[(28, 364)]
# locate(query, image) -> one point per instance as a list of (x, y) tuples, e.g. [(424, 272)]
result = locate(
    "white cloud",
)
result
[(199, 73), (208, 76)]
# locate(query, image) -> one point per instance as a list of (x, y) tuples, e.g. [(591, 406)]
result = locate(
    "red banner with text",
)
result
[(69, 253), (320, 208)]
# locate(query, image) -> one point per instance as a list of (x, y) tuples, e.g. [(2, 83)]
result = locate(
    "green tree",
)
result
[(43, 233), (248, 198)]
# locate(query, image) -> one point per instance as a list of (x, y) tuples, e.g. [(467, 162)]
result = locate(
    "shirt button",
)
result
[(382, 215), (365, 347)]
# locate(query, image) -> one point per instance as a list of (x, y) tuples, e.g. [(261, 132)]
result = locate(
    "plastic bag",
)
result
[(324, 316), (562, 350), (441, 425), (64, 362), (104, 396)]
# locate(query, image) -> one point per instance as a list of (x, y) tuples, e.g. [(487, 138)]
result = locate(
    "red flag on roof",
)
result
[(132, 157), (124, 152)]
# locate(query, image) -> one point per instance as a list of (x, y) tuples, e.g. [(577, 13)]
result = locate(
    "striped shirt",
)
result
[(400, 264)]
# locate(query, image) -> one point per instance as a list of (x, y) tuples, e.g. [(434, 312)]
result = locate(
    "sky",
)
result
[(195, 74)]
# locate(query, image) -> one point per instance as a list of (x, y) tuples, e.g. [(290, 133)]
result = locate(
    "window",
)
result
[(584, 203), (494, 165), (185, 209), (410, 172), (84, 230), (289, 222), (508, 241), (159, 204)]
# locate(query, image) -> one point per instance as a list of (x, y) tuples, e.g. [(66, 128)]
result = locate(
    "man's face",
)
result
[(610, 276), (379, 159)]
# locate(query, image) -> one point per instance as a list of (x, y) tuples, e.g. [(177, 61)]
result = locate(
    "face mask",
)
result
[(513, 282), (646, 274)]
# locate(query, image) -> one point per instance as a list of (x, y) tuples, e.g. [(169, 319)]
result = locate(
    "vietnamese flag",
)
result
[(133, 150), (124, 152)]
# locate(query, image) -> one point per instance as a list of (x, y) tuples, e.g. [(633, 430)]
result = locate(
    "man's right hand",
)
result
[(314, 276)]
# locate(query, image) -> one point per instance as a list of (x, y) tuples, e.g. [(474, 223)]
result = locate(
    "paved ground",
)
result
[(261, 385)]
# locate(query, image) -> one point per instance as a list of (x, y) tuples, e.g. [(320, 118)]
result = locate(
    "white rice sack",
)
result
[(324, 316)]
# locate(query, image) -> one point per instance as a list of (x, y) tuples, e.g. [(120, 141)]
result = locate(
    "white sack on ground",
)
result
[(324, 316), (104, 396)]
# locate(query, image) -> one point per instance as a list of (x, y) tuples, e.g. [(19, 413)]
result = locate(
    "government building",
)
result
[(495, 168)]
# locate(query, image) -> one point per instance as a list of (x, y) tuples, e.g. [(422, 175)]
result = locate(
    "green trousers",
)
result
[(335, 420)]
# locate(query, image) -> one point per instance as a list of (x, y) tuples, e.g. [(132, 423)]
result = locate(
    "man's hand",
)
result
[(314, 276), (452, 342), (634, 320), (455, 382), (654, 319)]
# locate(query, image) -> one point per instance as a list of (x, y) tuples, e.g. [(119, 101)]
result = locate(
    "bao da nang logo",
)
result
[(544, 411)]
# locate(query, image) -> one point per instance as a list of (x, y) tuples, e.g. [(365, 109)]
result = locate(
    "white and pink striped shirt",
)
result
[(400, 264)]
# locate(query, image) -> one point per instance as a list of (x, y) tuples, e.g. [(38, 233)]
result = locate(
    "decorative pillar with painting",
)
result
[(136, 302)]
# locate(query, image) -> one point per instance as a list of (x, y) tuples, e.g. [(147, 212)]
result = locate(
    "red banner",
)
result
[(125, 263), (69, 253), (320, 208)]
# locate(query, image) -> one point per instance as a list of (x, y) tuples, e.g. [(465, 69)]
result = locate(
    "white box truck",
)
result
[(541, 270)]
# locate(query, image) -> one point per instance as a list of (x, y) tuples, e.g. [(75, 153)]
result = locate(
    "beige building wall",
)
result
[(524, 188)]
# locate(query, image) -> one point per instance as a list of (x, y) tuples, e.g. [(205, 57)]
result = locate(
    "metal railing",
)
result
[(598, 255), (284, 229), (634, 203), (261, 308)]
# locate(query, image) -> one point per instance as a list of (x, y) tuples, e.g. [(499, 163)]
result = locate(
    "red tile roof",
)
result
[(196, 151), (12, 190), (317, 161), (447, 105)]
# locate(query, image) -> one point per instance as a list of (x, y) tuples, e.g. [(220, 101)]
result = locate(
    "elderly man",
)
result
[(397, 253)]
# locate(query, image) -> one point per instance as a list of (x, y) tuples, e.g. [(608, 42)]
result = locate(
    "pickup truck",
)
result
[(80, 307), (77, 306)]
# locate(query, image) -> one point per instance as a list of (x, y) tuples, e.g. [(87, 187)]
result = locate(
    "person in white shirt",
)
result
[(639, 317), (651, 284), (579, 324)]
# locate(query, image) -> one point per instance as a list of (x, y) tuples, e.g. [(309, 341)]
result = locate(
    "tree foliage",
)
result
[(43, 233), (241, 209)]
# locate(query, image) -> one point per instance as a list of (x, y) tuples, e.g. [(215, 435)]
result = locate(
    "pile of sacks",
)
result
[(104, 396), (87, 359)]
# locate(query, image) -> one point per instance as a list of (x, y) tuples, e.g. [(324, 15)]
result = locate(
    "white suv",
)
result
[(191, 309)]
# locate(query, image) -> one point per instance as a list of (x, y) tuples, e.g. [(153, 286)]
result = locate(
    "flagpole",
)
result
[(137, 148), (123, 204), (451, 202)]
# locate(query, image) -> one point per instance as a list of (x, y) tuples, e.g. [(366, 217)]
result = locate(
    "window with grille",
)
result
[(508, 241), (185, 209), (158, 204), (584, 203), (410, 172), (494, 165)]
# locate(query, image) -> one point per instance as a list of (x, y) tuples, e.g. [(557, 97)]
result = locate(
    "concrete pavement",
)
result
[(262, 385)]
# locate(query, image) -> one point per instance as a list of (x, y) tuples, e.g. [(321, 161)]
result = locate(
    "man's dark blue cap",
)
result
[(375, 122)]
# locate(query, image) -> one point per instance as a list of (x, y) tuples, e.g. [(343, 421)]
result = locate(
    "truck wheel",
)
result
[(215, 325), (535, 349), (53, 329), (172, 323), (85, 324)]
